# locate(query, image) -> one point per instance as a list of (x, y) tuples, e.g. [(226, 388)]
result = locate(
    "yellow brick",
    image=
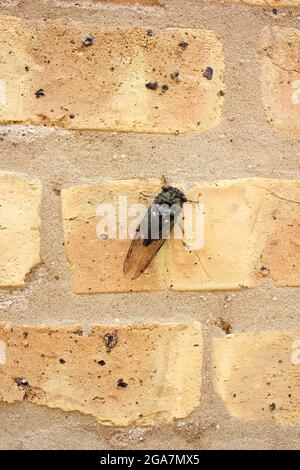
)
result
[(159, 366), (13, 77), (102, 86), (19, 228), (266, 3), (259, 216), (280, 78), (97, 265), (252, 231), (262, 3), (125, 2), (257, 374)]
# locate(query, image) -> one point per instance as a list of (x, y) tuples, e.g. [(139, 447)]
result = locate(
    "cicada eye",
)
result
[(165, 187)]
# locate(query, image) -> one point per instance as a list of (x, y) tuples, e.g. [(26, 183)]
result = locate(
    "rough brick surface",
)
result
[(251, 225), (257, 374), (125, 2), (13, 85), (103, 85), (19, 228), (118, 374), (281, 78), (260, 216), (266, 3), (262, 3)]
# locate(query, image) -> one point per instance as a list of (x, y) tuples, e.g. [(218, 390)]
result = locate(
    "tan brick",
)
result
[(13, 59), (143, 2), (102, 86), (262, 3), (257, 374), (125, 2), (266, 3), (150, 373), (97, 265), (259, 216), (280, 78), (19, 228)]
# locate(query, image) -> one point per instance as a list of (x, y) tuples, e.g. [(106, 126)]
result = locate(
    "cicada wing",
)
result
[(140, 256), (149, 238)]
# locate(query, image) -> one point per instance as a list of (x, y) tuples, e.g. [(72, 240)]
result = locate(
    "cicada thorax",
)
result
[(154, 229), (159, 222)]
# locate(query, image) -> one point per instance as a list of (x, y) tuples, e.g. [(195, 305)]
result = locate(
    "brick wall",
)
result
[(203, 350)]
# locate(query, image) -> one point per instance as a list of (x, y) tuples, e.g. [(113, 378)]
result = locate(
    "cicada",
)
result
[(153, 230)]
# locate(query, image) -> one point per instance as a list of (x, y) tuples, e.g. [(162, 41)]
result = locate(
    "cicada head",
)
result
[(171, 195)]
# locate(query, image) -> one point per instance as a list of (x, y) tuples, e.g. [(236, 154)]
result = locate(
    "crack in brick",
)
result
[(282, 198), (202, 265), (280, 66)]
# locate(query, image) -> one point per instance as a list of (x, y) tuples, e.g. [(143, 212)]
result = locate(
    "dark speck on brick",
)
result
[(272, 407), (183, 44), (121, 383), (78, 332), (264, 270), (62, 361), (152, 85), (150, 32), (174, 75), (21, 382), (164, 88), (208, 73), (40, 92), (88, 40), (110, 340)]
